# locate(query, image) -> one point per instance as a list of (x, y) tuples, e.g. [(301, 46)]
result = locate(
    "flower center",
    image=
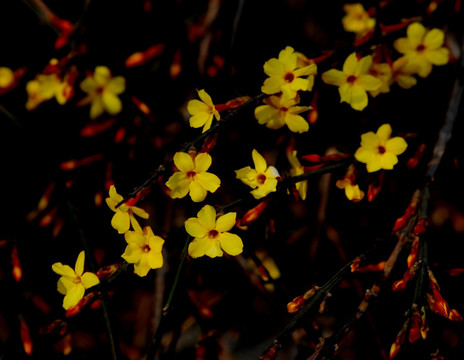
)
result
[(420, 48), (283, 109), (146, 248), (191, 174), (99, 90), (261, 179), (213, 234), (289, 77), (381, 149), (351, 79), (77, 280)]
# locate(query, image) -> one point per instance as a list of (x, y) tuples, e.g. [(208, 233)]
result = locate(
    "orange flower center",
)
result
[(213, 234), (261, 179), (191, 174), (289, 77), (99, 90), (146, 248), (381, 149), (351, 79), (283, 109)]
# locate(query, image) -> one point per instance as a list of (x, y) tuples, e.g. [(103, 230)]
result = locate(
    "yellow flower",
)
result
[(143, 250), (202, 111), (263, 179), (353, 81), (423, 48), (403, 70), (73, 283), (103, 91), (379, 150), (383, 72), (297, 169), (124, 214), (6, 77), (285, 76), (192, 177), (352, 191), (45, 87), (211, 236), (357, 20), (302, 62), (280, 111)]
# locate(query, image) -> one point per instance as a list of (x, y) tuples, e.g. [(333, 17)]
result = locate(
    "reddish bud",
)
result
[(142, 57), (17, 271), (408, 275), (25, 336), (94, 128), (415, 327), (413, 254), (395, 348), (254, 213), (176, 66), (454, 315), (107, 271), (141, 105), (296, 304), (421, 227)]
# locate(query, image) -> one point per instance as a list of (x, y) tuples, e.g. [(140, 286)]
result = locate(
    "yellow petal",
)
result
[(438, 56), (179, 184), (194, 228), (142, 267), (134, 237), (364, 155), (202, 162), (259, 161), (334, 77), (265, 113), (370, 140), (369, 82), (196, 106), (307, 70), (135, 224), (345, 91), (120, 222), (296, 123), (73, 296), (388, 160), (247, 175), (102, 75), (89, 279), (403, 45), (140, 212), (200, 247), (384, 133), (6, 77), (232, 244), (79, 267), (434, 39), (63, 270), (272, 85), (406, 81), (200, 119), (116, 85), (208, 181), (155, 260), (274, 68), (396, 146), (204, 96), (207, 217), (363, 65), (350, 64), (424, 67), (111, 103), (96, 108), (156, 244), (415, 32), (358, 98), (226, 222), (183, 162), (61, 287), (197, 192), (88, 85), (375, 163), (133, 253)]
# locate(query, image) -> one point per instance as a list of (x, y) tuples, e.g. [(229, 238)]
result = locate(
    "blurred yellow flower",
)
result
[(379, 150), (263, 179), (124, 214), (143, 250), (357, 20), (297, 169), (192, 177), (352, 191), (202, 111), (383, 72), (423, 48), (353, 81), (73, 283), (211, 236), (6, 77), (285, 76), (402, 71), (280, 111), (103, 91)]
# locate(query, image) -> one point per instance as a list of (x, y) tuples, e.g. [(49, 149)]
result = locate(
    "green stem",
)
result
[(152, 350)]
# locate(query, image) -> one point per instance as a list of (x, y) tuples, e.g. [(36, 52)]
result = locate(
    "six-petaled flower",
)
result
[(192, 177), (144, 250), (73, 283), (263, 178), (379, 150), (124, 214), (211, 236)]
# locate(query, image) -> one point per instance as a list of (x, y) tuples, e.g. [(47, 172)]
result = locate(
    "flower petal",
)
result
[(369, 82), (132, 254), (204, 246), (207, 217), (204, 96), (384, 133), (438, 56), (197, 192), (259, 161), (96, 108), (102, 75), (200, 119), (415, 32), (156, 244), (89, 279), (272, 85), (388, 160), (196, 107), (274, 68), (370, 140), (208, 181), (134, 237), (350, 64), (358, 98), (142, 267), (434, 39), (364, 155), (179, 184), (155, 260), (140, 212), (195, 228), (296, 123), (120, 222), (396, 145), (226, 222), (79, 267), (183, 162), (73, 296), (202, 162), (403, 45), (111, 103), (334, 77), (232, 244), (116, 85), (363, 65), (63, 270)]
